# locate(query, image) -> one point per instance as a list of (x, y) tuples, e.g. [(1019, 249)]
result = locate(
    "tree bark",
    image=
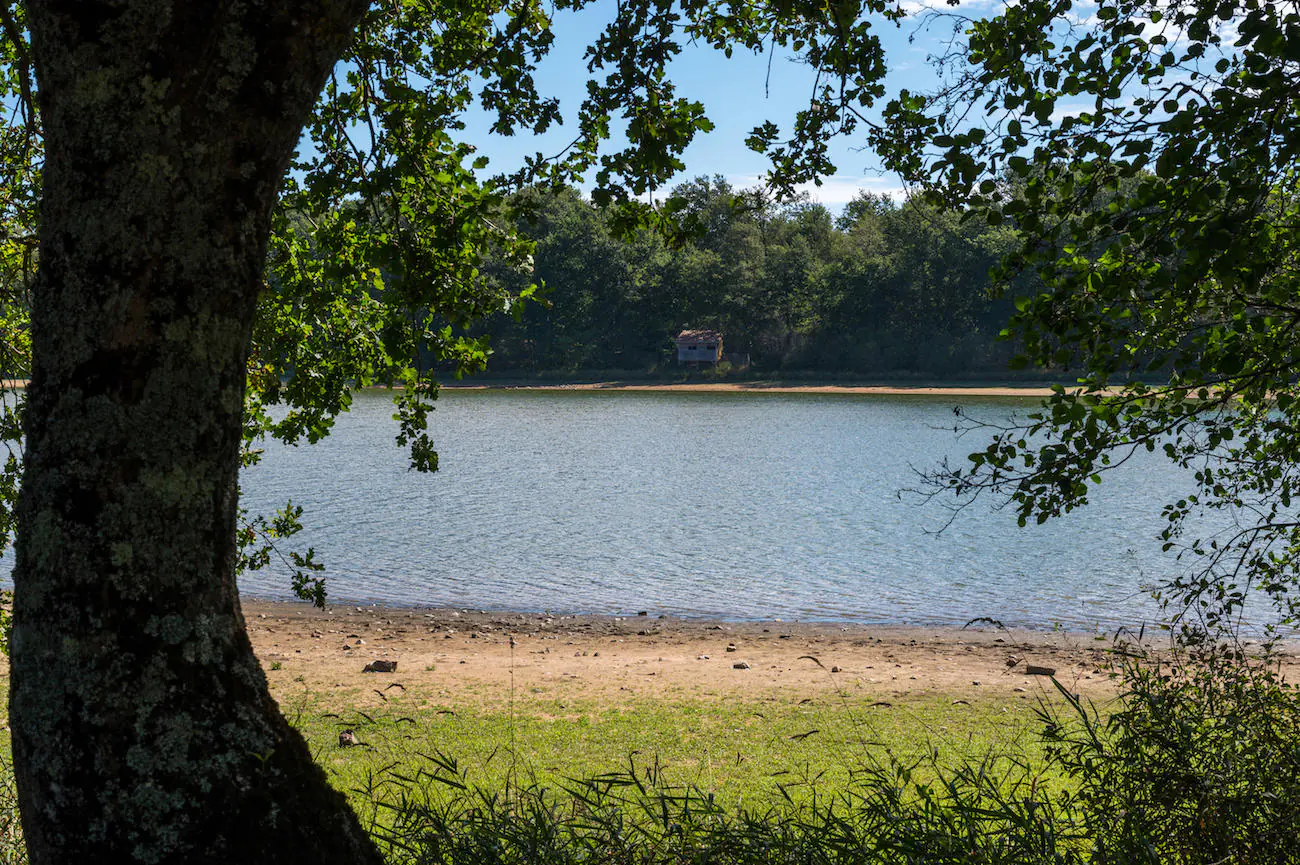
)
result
[(143, 729)]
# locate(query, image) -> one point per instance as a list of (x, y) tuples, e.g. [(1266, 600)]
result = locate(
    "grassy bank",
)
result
[(741, 752), (1198, 763), (429, 779), (529, 739), (728, 782)]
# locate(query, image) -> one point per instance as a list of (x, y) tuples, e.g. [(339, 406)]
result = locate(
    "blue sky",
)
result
[(738, 94), (736, 99)]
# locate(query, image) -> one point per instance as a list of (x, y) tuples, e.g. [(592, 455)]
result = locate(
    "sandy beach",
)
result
[(469, 656), (776, 387)]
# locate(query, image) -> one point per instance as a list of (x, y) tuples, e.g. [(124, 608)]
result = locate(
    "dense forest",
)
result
[(883, 289)]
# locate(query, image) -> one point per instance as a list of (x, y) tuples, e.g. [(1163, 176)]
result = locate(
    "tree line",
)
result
[(884, 288)]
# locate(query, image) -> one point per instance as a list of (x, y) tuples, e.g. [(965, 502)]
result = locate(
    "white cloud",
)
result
[(912, 8), (1072, 109), (837, 190), (840, 190)]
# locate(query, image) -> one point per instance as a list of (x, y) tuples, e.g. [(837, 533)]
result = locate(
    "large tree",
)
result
[(164, 142), (167, 134)]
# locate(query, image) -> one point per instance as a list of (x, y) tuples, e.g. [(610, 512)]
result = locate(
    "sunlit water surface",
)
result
[(739, 506)]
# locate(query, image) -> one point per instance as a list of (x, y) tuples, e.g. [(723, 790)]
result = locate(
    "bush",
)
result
[(1200, 765)]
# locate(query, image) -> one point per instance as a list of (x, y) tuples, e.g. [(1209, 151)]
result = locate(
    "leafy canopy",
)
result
[(387, 220), (1146, 154)]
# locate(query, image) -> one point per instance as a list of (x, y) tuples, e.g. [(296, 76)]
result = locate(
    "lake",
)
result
[(741, 506)]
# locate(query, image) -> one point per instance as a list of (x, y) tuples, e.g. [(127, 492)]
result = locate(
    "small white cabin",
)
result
[(699, 346)]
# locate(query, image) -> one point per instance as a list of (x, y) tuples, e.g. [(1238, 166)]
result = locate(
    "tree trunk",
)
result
[(142, 725)]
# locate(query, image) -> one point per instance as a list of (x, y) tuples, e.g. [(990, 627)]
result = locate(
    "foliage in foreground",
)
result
[(1199, 766), (1148, 164)]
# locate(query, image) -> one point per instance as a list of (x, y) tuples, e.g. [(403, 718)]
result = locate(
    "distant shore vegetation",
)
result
[(886, 289)]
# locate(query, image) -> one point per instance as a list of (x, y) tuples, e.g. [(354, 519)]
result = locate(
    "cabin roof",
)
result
[(699, 336)]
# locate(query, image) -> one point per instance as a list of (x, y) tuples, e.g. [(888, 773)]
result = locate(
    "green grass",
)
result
[(742, 752), (1197, 766), (567, 776)]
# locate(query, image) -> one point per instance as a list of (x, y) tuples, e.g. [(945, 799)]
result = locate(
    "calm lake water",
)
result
[(737, 506)]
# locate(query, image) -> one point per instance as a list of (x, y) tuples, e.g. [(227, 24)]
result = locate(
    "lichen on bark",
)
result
[(143, 728)]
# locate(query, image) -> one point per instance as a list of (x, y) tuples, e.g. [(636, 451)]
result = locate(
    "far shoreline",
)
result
[(758, 386), (767, 387)]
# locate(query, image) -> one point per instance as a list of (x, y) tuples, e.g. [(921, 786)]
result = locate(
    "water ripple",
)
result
[(738, 506)]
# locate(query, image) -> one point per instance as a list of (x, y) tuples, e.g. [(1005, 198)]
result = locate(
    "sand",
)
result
[(780, 388), (469, 656)]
